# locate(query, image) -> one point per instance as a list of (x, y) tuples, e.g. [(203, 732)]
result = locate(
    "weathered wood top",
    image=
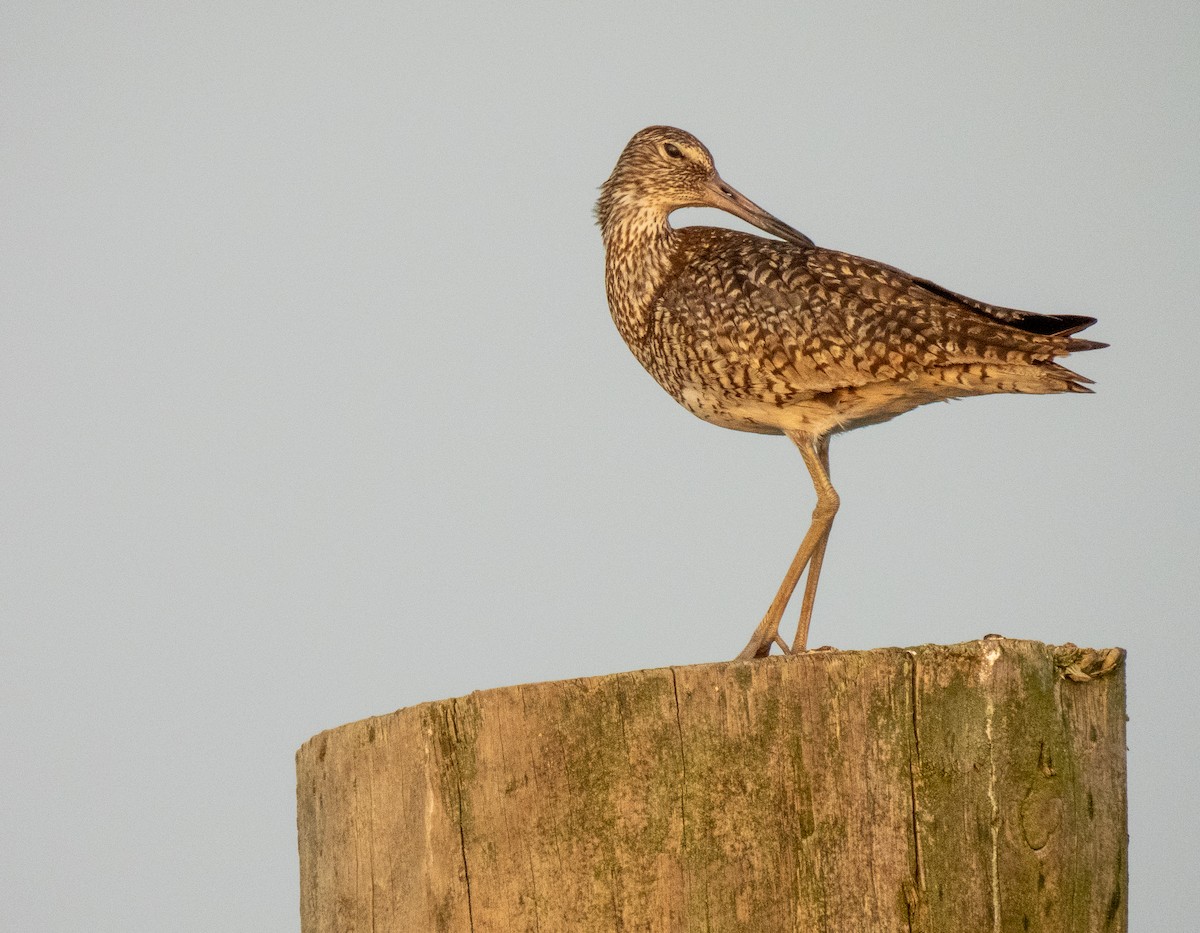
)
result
[(978, 786)]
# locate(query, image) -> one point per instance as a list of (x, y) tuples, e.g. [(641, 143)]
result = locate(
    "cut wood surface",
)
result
[(974, 787)]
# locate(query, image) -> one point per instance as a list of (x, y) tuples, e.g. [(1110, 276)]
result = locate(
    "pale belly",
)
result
[(825, 413)]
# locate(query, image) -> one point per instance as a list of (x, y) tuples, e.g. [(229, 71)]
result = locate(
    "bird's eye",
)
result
[(672, 150)]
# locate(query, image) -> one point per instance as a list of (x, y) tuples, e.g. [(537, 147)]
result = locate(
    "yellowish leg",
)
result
[(815, 452), (818, 557)]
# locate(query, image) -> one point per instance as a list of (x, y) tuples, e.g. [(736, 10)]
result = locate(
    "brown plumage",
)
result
[(784, 337)]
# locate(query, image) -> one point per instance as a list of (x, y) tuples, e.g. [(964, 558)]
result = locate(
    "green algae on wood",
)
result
[(975, 786)]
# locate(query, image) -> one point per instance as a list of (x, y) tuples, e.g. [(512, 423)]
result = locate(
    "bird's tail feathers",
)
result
[(1078, 345), (1060, 379)]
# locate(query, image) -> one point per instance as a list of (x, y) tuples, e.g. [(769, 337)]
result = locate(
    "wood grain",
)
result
[(961, 788)]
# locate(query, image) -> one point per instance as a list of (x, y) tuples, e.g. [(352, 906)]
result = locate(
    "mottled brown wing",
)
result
[(1018, 329), (1029, 321), (729, 322), (764, 316)]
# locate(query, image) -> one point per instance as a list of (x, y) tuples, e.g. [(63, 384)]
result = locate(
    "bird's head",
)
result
[(663, 168)]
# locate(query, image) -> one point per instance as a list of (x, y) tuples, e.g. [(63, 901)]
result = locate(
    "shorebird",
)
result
[(780, 336)]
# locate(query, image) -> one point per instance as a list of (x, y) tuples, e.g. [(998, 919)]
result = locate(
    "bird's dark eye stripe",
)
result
[(672, 150)]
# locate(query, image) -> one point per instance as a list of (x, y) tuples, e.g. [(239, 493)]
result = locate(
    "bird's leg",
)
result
[(818, 557), (767, 633)]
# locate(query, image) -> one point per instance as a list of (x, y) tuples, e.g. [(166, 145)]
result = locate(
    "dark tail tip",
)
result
[(1069, 324), (1078, 345)]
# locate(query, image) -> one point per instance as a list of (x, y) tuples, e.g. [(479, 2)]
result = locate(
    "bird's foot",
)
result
[(760, 647)]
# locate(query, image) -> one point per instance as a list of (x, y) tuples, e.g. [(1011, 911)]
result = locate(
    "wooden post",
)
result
[(970, 788)]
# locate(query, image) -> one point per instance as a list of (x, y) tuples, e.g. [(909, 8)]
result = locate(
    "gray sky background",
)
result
[(312, 407)]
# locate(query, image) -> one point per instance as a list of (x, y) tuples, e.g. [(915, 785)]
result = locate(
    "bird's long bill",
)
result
[(728, 199)]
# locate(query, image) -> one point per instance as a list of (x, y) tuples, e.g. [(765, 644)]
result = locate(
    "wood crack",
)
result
[(683, 777), (462, 833), (914, 764)]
